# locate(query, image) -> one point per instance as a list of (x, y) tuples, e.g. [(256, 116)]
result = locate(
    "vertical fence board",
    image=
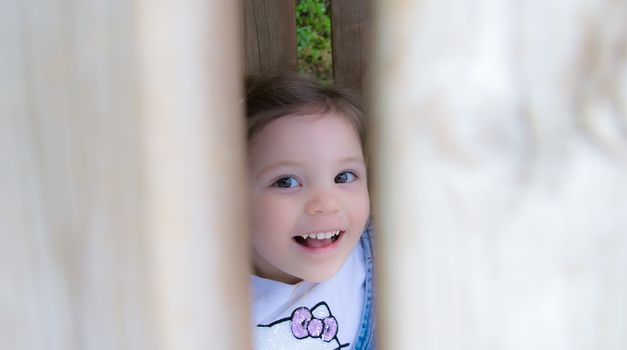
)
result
[(269, 36), (501, 159), (116, 231), (349, 40), (194, 157), (73, 271)]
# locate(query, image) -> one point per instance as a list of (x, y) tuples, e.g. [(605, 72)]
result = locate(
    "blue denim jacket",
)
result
[(365, 337)]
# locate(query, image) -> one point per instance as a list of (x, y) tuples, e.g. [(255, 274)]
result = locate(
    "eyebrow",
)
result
[(352, 160), (286, 163), (291, 163)]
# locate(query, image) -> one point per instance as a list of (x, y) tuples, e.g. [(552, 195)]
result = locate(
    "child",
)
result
[(311, 253)]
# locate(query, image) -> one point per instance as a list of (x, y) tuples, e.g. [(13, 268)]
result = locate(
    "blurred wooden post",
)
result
[(120, 125), (73, 244), (269, 36), (349, 38), (501, 174), (194, 157)]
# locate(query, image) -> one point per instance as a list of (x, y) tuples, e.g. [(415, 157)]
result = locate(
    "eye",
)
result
[(286, 182), (345, 177)]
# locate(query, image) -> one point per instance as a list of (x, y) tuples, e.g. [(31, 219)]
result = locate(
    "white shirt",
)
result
[(318, 310)]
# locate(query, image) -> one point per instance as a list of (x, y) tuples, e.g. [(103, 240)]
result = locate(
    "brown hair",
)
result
[(270, 98)]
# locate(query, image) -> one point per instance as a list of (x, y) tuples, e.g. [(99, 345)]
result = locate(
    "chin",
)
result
[(320, 276)]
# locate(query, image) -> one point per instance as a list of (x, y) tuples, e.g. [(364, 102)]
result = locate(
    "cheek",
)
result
[(270, 215), (361, 205)]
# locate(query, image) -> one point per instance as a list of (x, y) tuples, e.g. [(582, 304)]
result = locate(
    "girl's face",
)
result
[(309, 200)]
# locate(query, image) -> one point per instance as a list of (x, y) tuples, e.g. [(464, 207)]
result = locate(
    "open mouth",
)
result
[(318, 239)]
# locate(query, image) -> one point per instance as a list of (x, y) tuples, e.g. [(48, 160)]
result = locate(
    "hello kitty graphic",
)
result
[(305, 329)]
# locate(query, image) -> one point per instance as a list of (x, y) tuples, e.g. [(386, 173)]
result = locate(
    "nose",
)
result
[(322, 204)]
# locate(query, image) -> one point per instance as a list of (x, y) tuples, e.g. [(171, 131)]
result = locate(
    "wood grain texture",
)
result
[(269, 36), (500, 134), (72, 240), (349, 32), (114, 118), (192, 145)]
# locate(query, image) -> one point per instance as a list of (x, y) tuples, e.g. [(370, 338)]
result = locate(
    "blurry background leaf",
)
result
[(313, 35)]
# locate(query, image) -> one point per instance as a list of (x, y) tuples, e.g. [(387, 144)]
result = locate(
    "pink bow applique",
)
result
[(304, 325)]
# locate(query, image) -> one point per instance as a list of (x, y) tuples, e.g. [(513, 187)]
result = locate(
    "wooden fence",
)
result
[(270, 38), (500, 141)]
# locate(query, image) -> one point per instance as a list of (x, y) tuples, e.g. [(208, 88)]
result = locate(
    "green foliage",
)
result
[(313, 35)]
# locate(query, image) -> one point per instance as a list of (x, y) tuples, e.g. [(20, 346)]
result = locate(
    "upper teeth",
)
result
[(321, 235)]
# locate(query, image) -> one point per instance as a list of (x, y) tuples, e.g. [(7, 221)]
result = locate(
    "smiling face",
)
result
[(309, 196)]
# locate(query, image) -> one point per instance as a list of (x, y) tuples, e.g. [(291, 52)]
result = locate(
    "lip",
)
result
[(322, 250)]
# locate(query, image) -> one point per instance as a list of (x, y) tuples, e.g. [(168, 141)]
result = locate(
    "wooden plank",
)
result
[(116, 229), (501, 192), (73, 257), (349, 40), (194, 144), (269, 36)]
